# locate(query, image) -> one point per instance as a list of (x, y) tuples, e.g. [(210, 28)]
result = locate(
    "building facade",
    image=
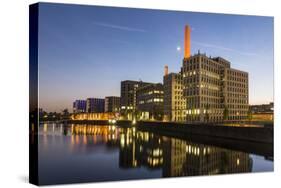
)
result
[(95, 105), (174, 101), (129, 98), (150, 105), (112, 104), (262, 108), (79, 106), (214, 92), (205, 90)]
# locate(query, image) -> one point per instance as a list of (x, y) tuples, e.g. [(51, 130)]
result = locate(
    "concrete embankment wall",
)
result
[(253, 134)]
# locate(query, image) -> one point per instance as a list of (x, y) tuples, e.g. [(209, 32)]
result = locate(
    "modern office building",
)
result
[(112, 104), (129, 97), (213, 91), (174, 101), (150, 102), (79, 106), (95, 105)]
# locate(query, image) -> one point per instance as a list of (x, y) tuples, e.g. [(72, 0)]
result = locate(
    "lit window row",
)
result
[(127, 107), (157, 100)]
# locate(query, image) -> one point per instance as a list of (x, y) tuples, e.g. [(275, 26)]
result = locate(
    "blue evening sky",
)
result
[(85, 51)]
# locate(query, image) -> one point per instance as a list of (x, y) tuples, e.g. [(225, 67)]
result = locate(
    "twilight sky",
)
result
[(85, 51)]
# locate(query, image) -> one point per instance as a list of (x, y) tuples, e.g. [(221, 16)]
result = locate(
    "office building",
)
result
[(112, 104), (205, 90), (79, 106), (95, 105), (129, 98), (174, 101), (150, 102), (213, 90)]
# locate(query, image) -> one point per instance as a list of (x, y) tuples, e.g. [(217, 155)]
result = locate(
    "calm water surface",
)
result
[(87, 153)]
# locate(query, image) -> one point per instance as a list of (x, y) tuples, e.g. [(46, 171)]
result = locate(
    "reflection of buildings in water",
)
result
[(140, 149), (90, 134), (186, 159), (176, 157), (48, 133), (51, 129), (127, 157), (149, 150)]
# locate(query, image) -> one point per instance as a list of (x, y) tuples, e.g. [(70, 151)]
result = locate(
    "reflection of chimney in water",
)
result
[(187, 42), (166, 70)]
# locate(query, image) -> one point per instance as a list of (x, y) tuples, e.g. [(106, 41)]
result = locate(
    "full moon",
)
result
[(178, 48)]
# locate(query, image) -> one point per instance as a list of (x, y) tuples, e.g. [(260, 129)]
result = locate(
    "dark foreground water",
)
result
[(87, 153)]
